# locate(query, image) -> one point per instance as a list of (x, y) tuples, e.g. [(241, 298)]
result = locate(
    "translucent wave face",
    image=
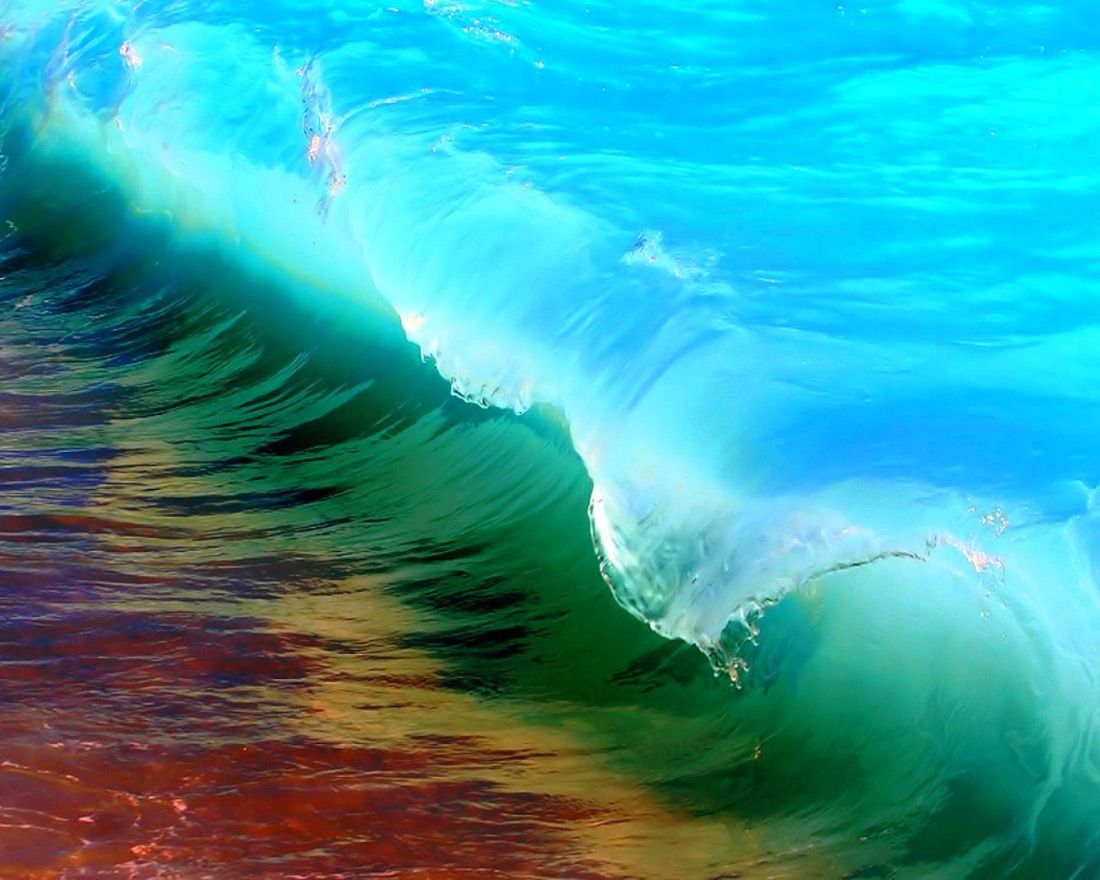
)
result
[(721, 376)]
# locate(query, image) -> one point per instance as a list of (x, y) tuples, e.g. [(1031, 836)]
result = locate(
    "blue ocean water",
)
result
[(807, 291)]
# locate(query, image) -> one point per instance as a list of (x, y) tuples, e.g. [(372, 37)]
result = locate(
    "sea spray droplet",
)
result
[(130, 55)]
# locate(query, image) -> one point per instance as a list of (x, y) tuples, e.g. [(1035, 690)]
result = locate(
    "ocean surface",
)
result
[(519, 439)]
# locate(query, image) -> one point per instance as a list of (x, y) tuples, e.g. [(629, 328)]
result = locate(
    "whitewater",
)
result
[(807, 292)]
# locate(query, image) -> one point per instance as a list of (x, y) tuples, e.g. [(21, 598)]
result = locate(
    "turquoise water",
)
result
[(796, 302)]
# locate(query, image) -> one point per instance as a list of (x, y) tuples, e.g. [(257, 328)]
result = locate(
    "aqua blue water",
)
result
[(806, 290)]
